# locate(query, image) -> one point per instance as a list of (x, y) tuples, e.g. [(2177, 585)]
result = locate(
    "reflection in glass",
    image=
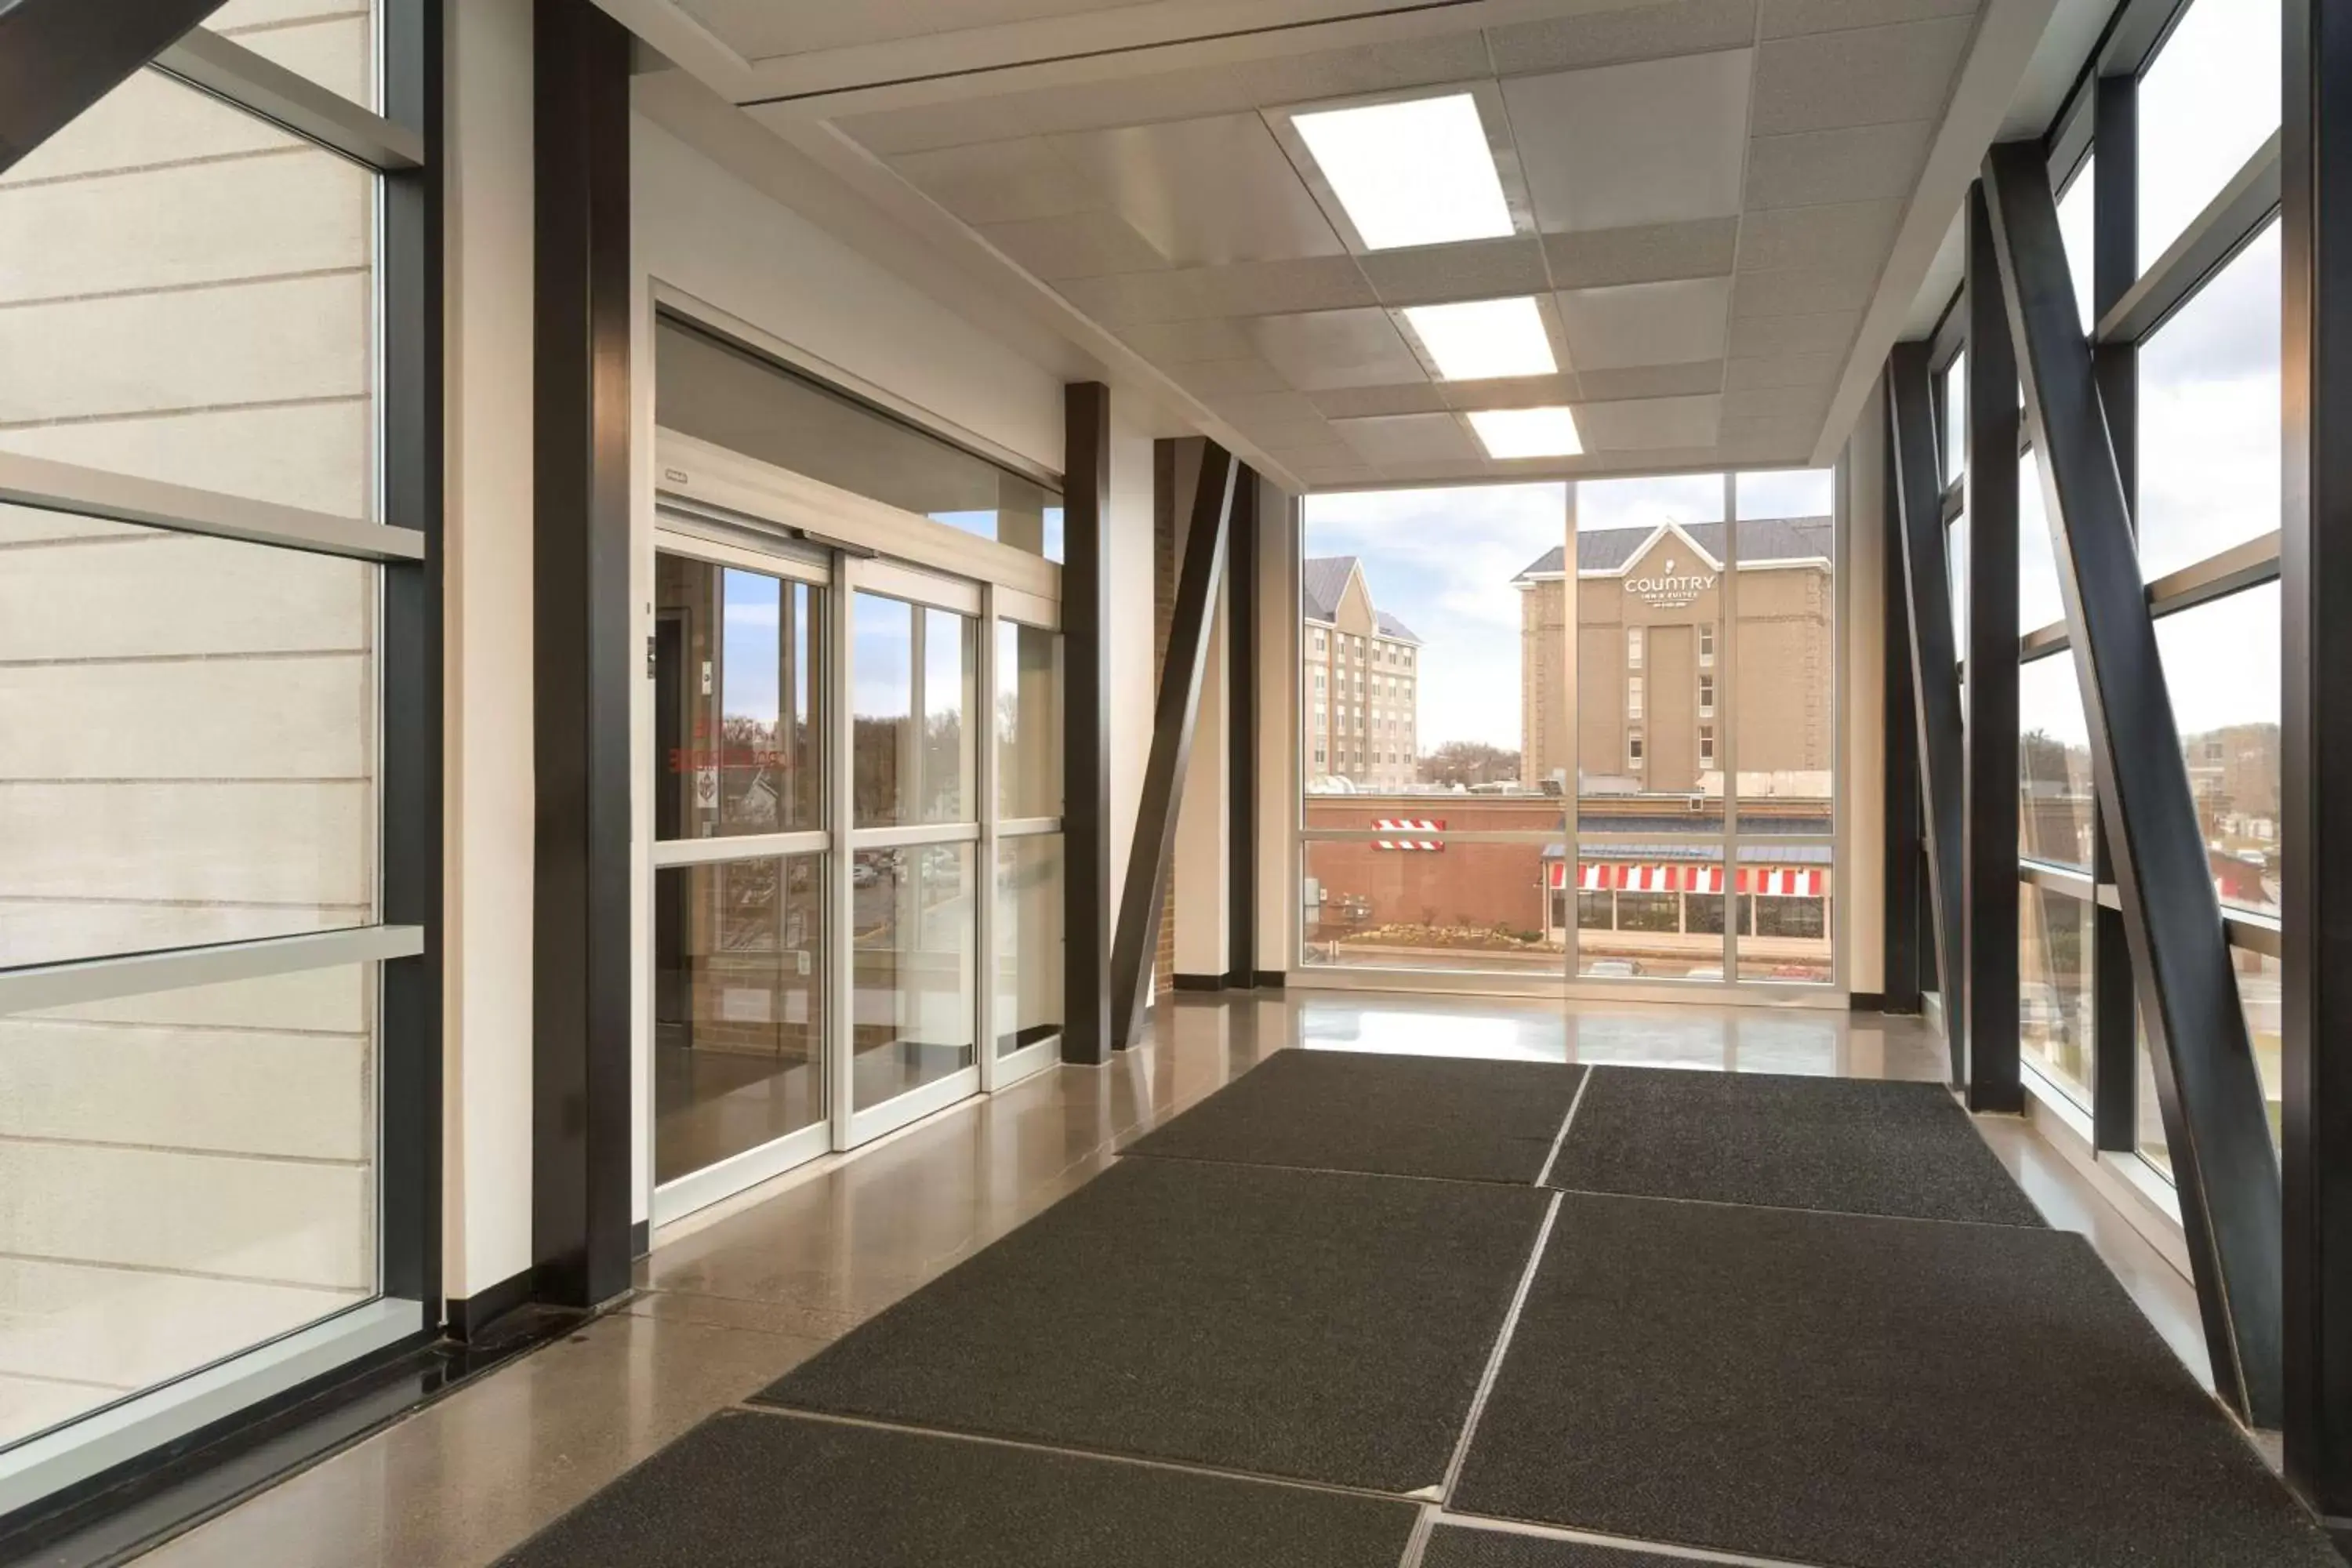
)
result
[(738, 685), (2209, 414), (2259, 982), (2053, 986), (2055, 795), (1028, 941), (2222, 669), (1028, 722), (2207, 103), (913, 676), (913, 1009), (2148, 1110), (187, 1174), (717, 392), (1469, 907), (739, 1007), (187, 740)]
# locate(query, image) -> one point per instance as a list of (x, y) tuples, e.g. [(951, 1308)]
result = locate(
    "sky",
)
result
[(1441, 561)]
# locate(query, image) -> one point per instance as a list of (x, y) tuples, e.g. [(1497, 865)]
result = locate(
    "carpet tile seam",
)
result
[(1569, 1535), (1502, 1346), (2043, 1228), (1560, 1139), (777, 1411), (1515, 1186)]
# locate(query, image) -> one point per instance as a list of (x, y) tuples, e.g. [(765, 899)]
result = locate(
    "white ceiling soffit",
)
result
[(1713, 201)]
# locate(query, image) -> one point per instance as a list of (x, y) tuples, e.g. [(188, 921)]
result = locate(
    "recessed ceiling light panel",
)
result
[(1483, 339), (1527, 432), (1415, 172)]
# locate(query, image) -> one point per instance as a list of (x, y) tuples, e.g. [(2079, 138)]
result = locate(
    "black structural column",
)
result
[(581, 1124), (2316, 567), (2115, 268), (59, 56), (1086, 725), (1900, 986), (2215, 1122), (1142, 901), (1241, 605), (1987, 990), (1935, 673)]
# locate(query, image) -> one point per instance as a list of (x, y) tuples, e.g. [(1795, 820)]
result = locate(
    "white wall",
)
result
[(1132, 667), (491, 813), (1862, 871)]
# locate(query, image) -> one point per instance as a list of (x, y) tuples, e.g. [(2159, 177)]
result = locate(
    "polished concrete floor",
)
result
[(737, 1294)]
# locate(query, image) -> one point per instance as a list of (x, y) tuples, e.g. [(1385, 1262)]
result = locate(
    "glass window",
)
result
[(1956, 418), (2208, 101), (1633, 647), (913, 669), (1706, 646), (914, 968), (2040, 600), (188, 748), (2259, 982), (2077, 234), (188, 294), (1706, 697), (739, 676), (1633, 697), (1779, 493), (719, 393), (1786, 922), (1956, 553), (2209, 414), (1467, 906), (1707, 745), (2056, 797), (1028, 941), (188, 1174), (2053, 986), (1029, 721), (2221, 670), (1633, 748), (739, 1007)]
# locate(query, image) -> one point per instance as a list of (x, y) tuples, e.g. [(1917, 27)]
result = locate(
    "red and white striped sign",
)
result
[(1770, 881), (1408, 824)]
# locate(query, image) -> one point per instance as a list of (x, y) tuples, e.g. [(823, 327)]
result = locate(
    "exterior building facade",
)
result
[(1358, 701), (1654, 653)]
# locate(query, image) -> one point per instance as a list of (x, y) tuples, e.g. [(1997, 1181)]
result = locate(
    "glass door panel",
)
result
[(914, 1003)]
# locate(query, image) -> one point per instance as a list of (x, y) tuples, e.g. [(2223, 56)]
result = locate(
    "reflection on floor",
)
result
[(740, 1293)]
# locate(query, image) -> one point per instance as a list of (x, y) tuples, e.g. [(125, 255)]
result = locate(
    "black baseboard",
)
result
[(468, 1316), (1272, 979), (1200, 982), (1021, 1039), (1868, 1002), (640, 1238)]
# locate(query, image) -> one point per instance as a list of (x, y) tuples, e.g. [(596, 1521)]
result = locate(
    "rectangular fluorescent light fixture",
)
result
[(1416, 172), (1484, 339), (1527, 432)]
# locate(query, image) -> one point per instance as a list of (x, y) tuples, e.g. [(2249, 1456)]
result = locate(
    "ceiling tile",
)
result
[(1632, 33), (1785, 19), (1480, 269), (1287, 434), (1801, 291), (1185, 343), (1860, 163), (1204, 192), (1845, 236), (1325, 454), (998, 182), (1781, 370), (1335, 348), (1223, 89), (1389, 440), (1657, 142), (1826, 333), (759, 29), (1644, 323), (1216, 377), (1645, 424), (1779, 433), (1779, 401), (1251, 409), (1082, 244), (1511, 392), (1244, 289), (1350, 402), (1653, 380), (1643, 254), (1868, 75)]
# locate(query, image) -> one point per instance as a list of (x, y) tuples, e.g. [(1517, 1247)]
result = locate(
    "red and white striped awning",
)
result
[(1407, 825), (1771, 881)]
